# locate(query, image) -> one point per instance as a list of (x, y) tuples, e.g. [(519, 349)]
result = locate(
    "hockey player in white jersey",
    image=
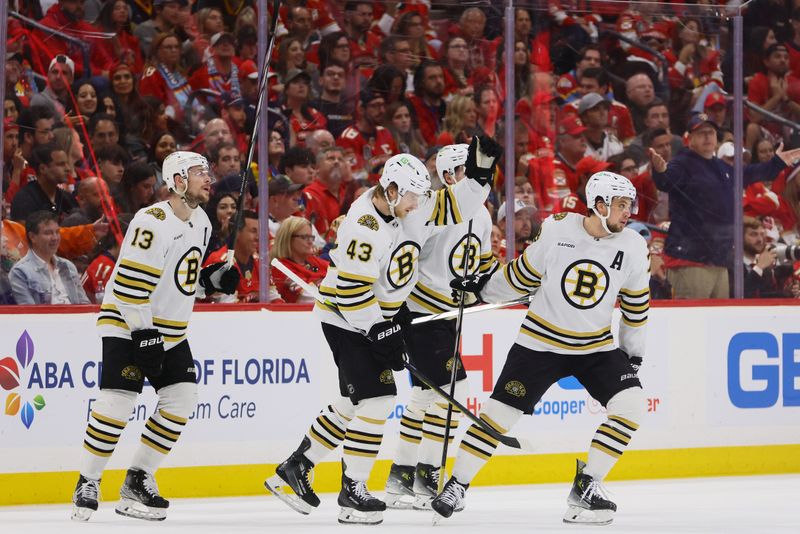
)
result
[(414, 476), (373, 270), (142, 322), (577, 268)]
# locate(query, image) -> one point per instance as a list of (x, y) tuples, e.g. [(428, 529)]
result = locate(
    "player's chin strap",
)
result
[(603, 219), (391, 203), (182, 195)]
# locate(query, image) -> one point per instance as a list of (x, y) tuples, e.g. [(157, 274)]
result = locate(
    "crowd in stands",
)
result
[(92, 108)]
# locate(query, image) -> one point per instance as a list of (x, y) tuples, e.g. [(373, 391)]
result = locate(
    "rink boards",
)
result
[(722, 383)]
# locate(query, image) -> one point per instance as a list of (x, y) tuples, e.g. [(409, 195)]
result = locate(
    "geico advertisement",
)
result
[(255, 371), (755, 370)]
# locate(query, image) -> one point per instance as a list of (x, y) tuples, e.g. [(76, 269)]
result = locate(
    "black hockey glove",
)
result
[(473, 283), (482, 158), (219, 277), (403, 317), (148, 351), (388, 344), (635, 361)]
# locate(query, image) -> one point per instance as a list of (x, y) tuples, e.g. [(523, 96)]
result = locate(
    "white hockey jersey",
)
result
[(374, 263), (577, 279), (157, 273), (443, 258)]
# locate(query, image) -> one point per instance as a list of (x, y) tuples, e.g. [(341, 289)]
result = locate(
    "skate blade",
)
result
[(81, 514), (351, 516), (584, 516), (277, 487), (137, 510), (399, 501), (437, 517), (422, 503)]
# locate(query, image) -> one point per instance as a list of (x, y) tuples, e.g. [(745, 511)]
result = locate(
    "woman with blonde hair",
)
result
[(460, 121), (294, 247), (69, 141)]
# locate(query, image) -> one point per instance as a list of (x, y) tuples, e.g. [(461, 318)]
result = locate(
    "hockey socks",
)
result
[(613, 436), (433, 427), (364, 435), (110, 413), (328, 429)]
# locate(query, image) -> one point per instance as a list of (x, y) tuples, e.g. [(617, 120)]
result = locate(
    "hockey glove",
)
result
[(636, 363), (387, 344), (148, 351), (219, 277), (403, 317), (473, 283), (481, 159)]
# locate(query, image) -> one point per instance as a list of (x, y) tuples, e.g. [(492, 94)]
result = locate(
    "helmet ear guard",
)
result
[(408, 174), (449, 158)]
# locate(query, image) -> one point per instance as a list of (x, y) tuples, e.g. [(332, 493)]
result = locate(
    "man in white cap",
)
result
[(60, 75), (523, 223), (219, 73), (593, 110)]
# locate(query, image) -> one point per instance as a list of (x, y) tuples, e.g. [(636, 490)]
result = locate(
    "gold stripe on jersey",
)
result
[(634, 323), (428, 306), (634, 294), (133, 283), (568, 333), (140, 268), (355, 278), (131, 299), (359, 305), (445, 211), (434, 296), (354, 292), (634, 308), (173, 331), (112, 321), (520, 278), (326, 291), (488, 264), (167, 323), (581, 342)]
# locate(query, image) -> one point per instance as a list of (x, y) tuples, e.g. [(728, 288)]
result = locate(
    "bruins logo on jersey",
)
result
[(560, 216), (131, 372), (387, 377), (516, 388), (369, 221), (402, 263), (187, 271), (584, 284), (158, 213), (459, 258)]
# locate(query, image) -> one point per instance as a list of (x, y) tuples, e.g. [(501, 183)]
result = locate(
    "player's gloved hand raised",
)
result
[(148, 351), (388, 344), (219, 277), (482, 158), (473, 283)]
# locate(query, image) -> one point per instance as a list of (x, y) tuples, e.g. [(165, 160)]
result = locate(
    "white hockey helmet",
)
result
[(608, 185), (408, 173), (179, 163), (449, 158)]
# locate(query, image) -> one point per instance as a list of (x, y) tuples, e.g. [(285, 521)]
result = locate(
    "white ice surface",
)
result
[(759, 504)]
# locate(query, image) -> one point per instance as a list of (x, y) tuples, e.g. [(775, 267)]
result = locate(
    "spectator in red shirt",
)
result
[(455, 57), (487, 102), (324, 195), (245, 254), (369, 143), (13, 162), (471, 27), (67, 17), (123, 47), (358, 17), (163, 77), (219, 73), (429, 106), (620, 123), (303, 119), (775, 89), (96, 276), (591, 56), (294, 246)]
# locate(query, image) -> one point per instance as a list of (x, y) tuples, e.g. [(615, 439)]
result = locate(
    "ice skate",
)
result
[(139, 497), (588, 502), (85, 498), (359, 506), (426, 486), (400, 487), (296, 474), (450, 500)]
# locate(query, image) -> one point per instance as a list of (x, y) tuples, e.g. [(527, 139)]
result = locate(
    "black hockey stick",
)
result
[(262, 91), (516, 443), (456, 358)]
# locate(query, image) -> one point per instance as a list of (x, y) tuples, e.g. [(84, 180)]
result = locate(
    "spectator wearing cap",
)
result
[(699, 246), (364, 41), (122, 47), (716, 107), (367, 140), (248, 82), (42, 277), (166, 17), (226, 160), (600, 144), (591, 56), (323, 196), (523, 224), (56, 96), (302, 118), (656, 117), (13, 161), (234, 113), (219, 73), (298, 164), (44, 193), (640, 93), (331, 102), (575, 202), (595, 80), (294, 246), (284, 201), (775, 89), (66, 16), (556, 177), (163, 77), (429, 106)]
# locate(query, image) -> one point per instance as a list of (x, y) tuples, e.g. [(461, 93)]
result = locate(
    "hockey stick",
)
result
[(456, 361), (516, 443), (262, 90)]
